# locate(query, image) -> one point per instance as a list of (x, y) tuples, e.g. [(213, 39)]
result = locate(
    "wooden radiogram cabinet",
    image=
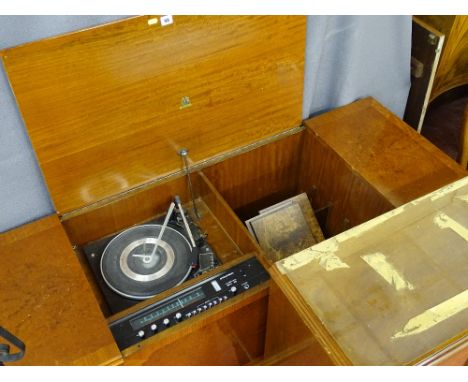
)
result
[(108, 110)]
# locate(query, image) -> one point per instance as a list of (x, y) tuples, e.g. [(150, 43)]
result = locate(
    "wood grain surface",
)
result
[(288, 340), (291, 323), (453, 67), (389, 155), (225, 217), (105, 109), (442, 23), (455, 357), (336, 186), (258, 178), (130, 209), (360, 160), (230, 334), (47, 302)]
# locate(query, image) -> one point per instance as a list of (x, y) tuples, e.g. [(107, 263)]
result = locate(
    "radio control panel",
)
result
[(187, 303)]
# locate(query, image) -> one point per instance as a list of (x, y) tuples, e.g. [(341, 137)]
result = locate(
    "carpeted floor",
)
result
[(442, 125)]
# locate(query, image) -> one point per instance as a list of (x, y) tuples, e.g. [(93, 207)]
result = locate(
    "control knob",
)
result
[(166, 322), (141, 333), (233, 290), (154, 327), (178, 316)]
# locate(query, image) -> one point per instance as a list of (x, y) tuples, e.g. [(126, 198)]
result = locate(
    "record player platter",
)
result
[(131, 267)]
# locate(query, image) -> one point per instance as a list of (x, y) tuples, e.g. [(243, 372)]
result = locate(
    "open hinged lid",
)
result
[(392, 290), (108, 108)]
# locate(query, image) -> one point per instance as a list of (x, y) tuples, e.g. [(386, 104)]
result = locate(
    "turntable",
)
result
[(145, 260)]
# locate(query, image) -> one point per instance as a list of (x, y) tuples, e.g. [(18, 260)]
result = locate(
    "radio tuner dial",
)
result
[(154, 318)]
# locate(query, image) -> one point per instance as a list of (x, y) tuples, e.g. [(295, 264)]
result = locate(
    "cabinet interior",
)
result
[(227, 193)]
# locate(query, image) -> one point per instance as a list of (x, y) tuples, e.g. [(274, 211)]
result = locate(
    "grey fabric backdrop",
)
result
[(347, 57), (350, 57)]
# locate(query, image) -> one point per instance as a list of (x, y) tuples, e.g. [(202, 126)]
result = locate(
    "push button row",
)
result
[(178, 316), (206, 306)]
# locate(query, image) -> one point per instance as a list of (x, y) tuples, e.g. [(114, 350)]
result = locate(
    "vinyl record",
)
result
[(130, 269)]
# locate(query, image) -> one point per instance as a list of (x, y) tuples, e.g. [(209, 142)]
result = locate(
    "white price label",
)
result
[(166, 20)]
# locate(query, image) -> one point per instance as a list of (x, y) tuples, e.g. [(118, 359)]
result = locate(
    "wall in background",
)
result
[(347, 57), (350, 57)]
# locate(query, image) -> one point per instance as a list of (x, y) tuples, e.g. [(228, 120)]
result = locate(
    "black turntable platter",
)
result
[(131, 268)]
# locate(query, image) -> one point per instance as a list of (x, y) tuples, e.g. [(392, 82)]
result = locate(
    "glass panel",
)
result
[(396, 287)]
